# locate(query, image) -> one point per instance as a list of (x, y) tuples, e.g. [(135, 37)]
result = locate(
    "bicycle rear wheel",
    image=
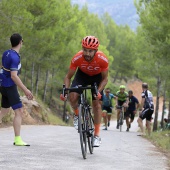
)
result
[(90, 134), (82, 131)]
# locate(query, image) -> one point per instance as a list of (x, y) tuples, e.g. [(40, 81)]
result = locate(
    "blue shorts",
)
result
[(10, 97)]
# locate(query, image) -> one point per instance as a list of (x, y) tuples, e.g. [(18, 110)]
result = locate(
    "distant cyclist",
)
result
[(121, 100), (146, 108), (107, 106), (90, 66), (133, 105)]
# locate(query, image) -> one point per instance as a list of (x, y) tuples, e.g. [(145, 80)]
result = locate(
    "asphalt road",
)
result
[(58, 148)]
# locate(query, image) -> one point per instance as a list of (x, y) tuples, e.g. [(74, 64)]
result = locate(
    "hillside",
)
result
[(35, 113), (122, 11)]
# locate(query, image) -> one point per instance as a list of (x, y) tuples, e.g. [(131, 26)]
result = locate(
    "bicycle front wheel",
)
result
[(121, 121), (90, 134), (82, 131)]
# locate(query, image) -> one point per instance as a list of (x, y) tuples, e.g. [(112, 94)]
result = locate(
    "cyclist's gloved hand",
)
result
[(62, 97), (99, 95)]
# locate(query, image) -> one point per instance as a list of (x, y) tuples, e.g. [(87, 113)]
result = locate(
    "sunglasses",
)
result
[(107, 91)]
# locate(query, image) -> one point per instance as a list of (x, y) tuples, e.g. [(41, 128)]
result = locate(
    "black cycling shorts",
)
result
[(120, 103), (84, 79), (130, 113), (10, 97), (107, 108), (147, 113)]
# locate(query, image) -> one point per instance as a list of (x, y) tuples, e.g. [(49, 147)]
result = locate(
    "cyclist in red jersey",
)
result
[(90, 66)]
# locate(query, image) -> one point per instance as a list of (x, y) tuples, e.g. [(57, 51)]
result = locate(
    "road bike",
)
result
[(121, 117), (85, 121)]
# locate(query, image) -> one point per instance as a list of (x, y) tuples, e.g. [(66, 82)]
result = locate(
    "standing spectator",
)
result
[(9, 81), (107, 107), (146, 108), (131, 110)]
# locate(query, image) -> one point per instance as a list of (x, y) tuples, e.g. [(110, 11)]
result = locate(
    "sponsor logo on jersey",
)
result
[(90, 68), (103, 58), (76, 58), (7, 54)]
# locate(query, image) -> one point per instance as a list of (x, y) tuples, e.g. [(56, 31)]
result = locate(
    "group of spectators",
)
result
[(130, 105)]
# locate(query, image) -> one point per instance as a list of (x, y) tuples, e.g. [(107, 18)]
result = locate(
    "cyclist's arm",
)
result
[(104, 80), (114, 97), (67, 79), (127, 98), (127, 101), (116, 100)]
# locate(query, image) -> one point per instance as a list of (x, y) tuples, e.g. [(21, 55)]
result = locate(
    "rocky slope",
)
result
[(33, 113)]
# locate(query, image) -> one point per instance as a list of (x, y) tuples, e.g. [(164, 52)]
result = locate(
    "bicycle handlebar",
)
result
[(120, 107), (79, 87)]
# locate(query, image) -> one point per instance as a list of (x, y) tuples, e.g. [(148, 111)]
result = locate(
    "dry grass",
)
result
[(161, 139)]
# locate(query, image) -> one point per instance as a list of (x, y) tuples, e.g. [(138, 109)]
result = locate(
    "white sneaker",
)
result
[(75, 122), (96, 141)]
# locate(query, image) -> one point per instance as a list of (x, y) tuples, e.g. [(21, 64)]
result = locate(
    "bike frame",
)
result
[(86, 122), (121, 116)]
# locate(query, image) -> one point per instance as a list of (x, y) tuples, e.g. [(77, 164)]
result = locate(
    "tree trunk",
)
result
[(155, 125), (169, 110), (121, 78), (163, 109), (25, 73), (51, 90), (32, 77), (45, 86), (37, 80), (125, 79), (115, 78)]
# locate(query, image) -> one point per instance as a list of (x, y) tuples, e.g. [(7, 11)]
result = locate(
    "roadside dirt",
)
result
[(166, 153)]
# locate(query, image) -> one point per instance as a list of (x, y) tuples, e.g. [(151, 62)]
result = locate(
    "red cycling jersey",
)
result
[(96, 66)]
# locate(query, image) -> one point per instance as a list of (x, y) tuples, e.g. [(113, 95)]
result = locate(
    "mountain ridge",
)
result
[(123, 12)]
